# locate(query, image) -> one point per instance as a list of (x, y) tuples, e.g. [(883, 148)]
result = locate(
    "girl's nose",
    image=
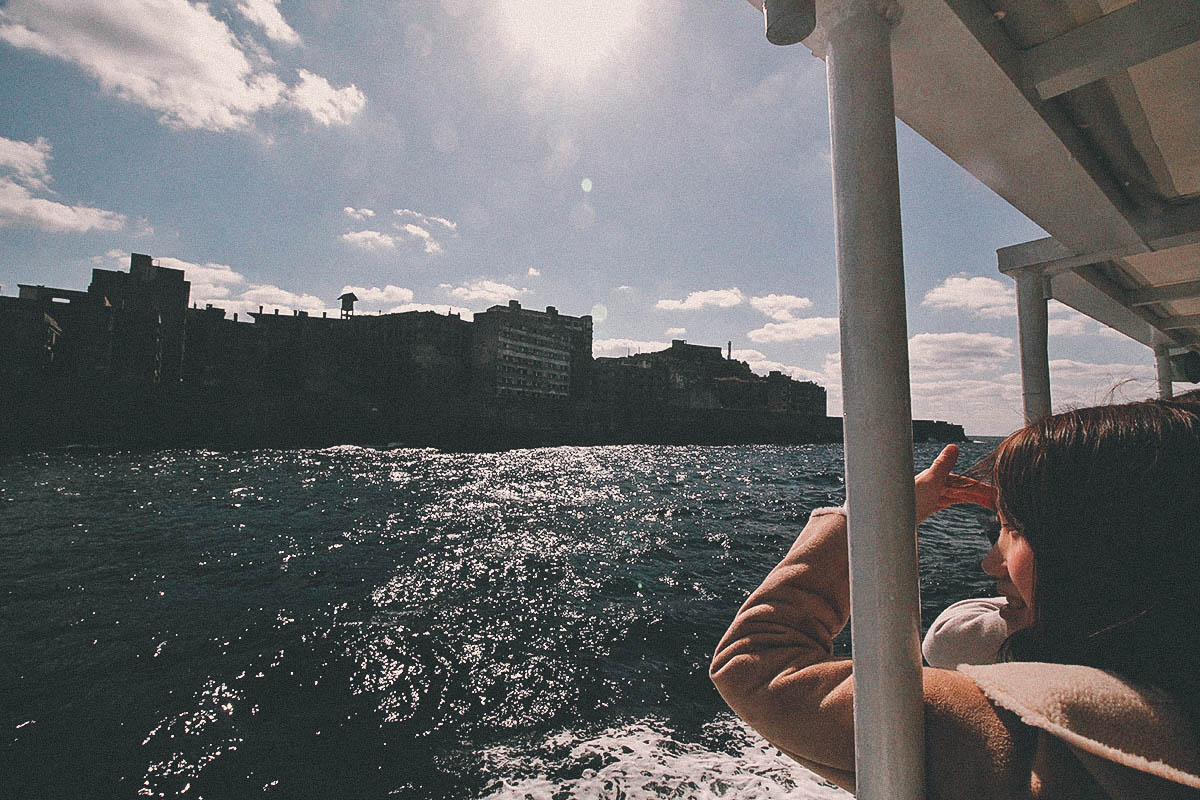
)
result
[(993, 563)]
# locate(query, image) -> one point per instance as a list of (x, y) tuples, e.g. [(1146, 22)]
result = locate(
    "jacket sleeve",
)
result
[(774, 668)]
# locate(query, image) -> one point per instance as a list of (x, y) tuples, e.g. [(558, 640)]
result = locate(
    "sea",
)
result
[(358, 622)]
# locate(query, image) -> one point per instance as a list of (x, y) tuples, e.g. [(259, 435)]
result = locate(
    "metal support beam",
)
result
[(1182, 321), (1162, 364), (1032, 328), (1162, 294), (1117, 41), (1051, 257), (884, 582), (1167, 225), (1110, 305)]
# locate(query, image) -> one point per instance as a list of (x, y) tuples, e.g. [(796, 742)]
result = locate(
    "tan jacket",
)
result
[(982, 732), (1134, 743)]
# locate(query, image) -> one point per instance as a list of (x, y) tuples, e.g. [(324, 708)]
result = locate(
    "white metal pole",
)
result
[(1162, 362), (884, 589), (1032, 324)]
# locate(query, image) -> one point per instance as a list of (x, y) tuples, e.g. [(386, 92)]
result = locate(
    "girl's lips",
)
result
[(1014, 610)]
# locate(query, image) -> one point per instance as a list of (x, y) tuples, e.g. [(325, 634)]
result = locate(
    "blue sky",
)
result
[(656, 164)]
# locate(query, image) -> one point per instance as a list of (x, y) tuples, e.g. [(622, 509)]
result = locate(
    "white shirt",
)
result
[(968, 632)]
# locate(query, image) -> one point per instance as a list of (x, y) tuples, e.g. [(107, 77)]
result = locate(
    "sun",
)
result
[(572, 40)]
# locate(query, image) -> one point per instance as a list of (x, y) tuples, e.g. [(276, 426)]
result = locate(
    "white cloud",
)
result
[(29, 161), (420, 230), (369, 240), (375, 240), (994, 299), (486, 290), (219, 284), (967, 378), (327, 105), (426, 219), (615, 348), (171, 56), (1066, 321), (211, 283), (762, 365), (984, 406), (970, 379), (265, 14), (983, 297), (795, 330), (272, 297), (721, 298), (416, 232), (1066, 327), (19, 207), (749, 355), (939, 354), (534, 272), (780, 306), (374, 296), (224, 287), (1112, 333), (24, 169), (168, 55), (1078, 383), (675, 333)]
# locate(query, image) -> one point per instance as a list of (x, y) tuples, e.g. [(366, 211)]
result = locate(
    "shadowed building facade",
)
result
[(518, 352), (127, 326), (693, 376), (149, 327)]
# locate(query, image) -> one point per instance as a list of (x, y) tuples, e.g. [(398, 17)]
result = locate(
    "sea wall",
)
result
[(109, 415)]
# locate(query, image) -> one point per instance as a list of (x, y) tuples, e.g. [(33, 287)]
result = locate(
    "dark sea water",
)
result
[(359, 623)]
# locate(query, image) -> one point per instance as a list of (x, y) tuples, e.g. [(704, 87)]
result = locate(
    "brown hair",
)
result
[(1108, 499)]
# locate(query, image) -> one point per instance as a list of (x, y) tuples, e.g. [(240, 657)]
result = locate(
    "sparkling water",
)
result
[(359, 623)]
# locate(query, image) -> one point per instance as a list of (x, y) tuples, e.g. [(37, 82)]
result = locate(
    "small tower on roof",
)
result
[(348, 300)]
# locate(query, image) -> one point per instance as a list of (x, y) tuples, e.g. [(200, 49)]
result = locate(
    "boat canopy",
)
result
[(1085, 116), (1082, 114)]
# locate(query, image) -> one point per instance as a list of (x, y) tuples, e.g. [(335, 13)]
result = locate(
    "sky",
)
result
[(657, 165)]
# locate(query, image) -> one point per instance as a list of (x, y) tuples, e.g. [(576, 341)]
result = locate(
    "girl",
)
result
[(1098, 559)]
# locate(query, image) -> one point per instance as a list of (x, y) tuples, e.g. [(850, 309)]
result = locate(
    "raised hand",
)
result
[(937, 487)]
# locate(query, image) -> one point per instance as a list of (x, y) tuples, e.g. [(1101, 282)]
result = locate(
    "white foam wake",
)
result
[(645, 760)]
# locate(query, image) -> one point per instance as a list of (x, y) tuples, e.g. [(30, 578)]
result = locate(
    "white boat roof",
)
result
[(1085, 116)]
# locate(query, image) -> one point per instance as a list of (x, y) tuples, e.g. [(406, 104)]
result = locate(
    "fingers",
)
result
[(929, 484), (961, 489), (983, 496), (941, 466), (945, 461), (937, 487)]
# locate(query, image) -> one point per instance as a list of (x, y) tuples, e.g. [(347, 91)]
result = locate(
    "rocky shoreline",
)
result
[(110, 416)]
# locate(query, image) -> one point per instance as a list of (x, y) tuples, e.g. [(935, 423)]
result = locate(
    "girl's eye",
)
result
[(991, 529)]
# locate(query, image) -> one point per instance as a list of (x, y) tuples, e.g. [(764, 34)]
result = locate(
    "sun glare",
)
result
[(571, 39)]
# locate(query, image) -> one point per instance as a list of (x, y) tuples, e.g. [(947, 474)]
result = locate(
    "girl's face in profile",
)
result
[(1010, 562)]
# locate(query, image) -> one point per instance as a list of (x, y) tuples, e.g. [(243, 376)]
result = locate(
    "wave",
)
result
[(646, 760)]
